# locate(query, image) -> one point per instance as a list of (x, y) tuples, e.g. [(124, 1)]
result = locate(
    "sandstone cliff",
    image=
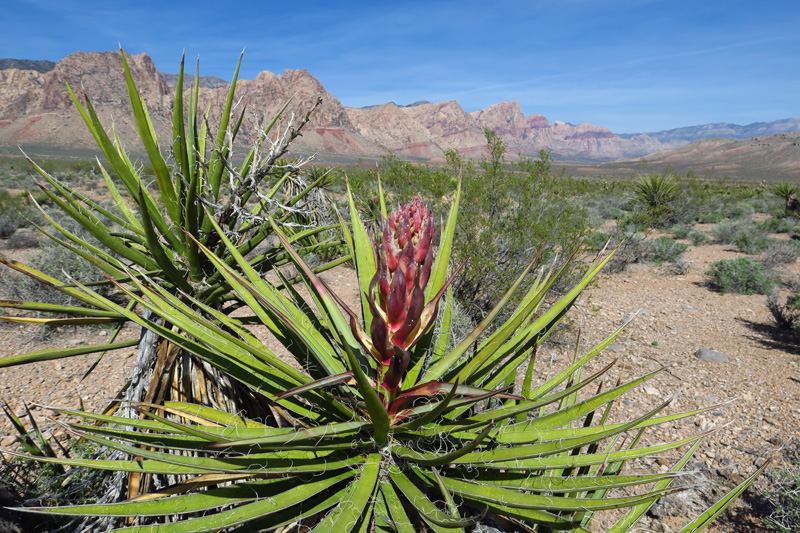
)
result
[(36, 114)]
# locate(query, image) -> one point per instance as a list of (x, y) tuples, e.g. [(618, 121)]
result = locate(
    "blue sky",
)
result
[(628, 65)]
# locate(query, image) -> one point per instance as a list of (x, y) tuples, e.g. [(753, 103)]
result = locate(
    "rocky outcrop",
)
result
[(395, 130), (449, 126), (36, 112)]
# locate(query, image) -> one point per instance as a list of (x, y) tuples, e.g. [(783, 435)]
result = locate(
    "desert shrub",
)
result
[(60, 263), (32, 481), (780, 253), (697, 237), (617, 213), (711, 218), (761, 204), (596, 241), (678, 268), (7, 226), (16, 211), (752, 243), (630, 249), (741, 275), (608, 201), (785, 312), (728, 231), (509, 213), (739, 210), (634, 222), (22, 239), (779, 225), (680, 231), (663, 249)]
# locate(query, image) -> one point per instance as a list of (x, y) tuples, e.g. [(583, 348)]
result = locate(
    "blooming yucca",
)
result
[(404, 258)]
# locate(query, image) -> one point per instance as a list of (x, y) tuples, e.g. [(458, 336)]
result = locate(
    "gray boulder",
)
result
[(707, 354)]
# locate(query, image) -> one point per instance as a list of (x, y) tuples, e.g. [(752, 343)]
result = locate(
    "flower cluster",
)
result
[(403, 258)]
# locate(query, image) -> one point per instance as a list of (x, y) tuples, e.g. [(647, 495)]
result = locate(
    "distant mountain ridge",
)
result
[(722, 129), (207, 82), (771, 157), (37, 114), (40, 65)]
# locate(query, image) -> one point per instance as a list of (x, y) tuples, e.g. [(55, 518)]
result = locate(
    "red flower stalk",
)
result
[(403, 258)]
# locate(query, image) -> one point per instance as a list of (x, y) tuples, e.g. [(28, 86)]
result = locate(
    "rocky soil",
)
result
[(754, 394)]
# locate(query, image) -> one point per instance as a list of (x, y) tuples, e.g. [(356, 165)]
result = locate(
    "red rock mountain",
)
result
[(37, 115)]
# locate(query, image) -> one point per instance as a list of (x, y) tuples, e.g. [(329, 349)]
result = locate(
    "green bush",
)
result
[(60, 263), (16, 211), (712, 218), (663, 249), (697, 237), (744, 234), (779, 225), (617, 213), (510, 213), (596, 241), (740, 210), (742, 276), (680, 231), (7, 226), (22, 239), (752, 243)]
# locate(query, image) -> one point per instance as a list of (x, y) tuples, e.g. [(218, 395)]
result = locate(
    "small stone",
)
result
[(616, 347), (7, 442), (747, 397), (707, 354), (652, 391)]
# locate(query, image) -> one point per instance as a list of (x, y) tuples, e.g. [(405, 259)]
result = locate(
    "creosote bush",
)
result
[(741, 275), (663, 249), (780, 253), (509, 212), (697, 237)]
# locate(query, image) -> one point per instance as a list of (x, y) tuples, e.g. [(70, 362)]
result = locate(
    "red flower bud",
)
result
[(403, 260)]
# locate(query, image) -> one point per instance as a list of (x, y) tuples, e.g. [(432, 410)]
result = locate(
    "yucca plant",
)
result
[(383, 428), (159, 234), (657, 192), (784, 190)]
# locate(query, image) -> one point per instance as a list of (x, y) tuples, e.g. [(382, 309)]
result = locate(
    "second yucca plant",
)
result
[(657, 192), (382, 426)]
